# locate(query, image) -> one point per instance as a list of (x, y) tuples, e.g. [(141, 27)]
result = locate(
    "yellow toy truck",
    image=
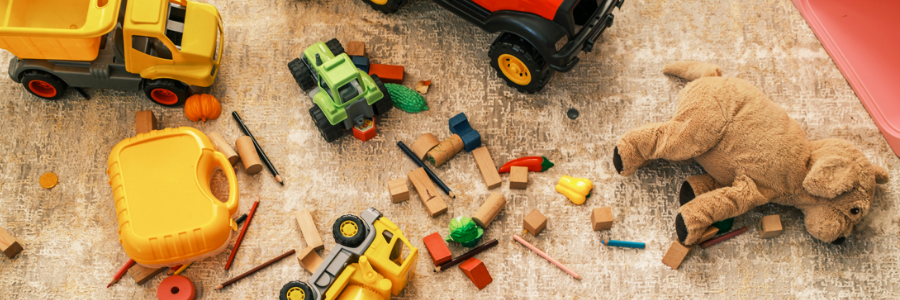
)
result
[(162, 47), (367, 263)]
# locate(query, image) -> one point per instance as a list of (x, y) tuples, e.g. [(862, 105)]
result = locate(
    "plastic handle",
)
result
[(222, 162)]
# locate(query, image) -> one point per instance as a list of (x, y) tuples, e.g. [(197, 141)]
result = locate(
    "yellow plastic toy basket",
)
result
[(167, 214), (56, 29)]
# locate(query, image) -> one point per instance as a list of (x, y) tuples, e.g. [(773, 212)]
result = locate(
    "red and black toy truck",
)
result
[(537, 37)]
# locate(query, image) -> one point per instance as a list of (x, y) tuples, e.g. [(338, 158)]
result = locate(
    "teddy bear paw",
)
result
[(626, 160), (680, 229)]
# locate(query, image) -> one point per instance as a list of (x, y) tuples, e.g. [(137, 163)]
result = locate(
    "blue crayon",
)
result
[(616, 243)]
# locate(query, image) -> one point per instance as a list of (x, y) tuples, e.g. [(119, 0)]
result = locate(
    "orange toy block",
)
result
[(387, 73), (477, 272), (437, 248)]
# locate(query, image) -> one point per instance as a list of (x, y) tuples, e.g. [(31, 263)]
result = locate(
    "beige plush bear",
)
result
[(753, 154)]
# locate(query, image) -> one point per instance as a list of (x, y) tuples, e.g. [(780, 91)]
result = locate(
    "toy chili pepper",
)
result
[(534, 164)]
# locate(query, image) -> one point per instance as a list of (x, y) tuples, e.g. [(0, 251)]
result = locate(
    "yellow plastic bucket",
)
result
[(56, 29)]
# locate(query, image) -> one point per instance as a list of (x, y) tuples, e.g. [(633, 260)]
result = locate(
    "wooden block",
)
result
[(8, 244), (487, 167), (437, 248), (308, 228), (518, 178), (249, 156), (309, 259), (355, 48), (770, 226), (708, 234), (477, 272), (142, 274), (433, 201), (602, 218), (489, 210), (399, 190), (423, 144), (445, 150), (676, 254), (144, 122), (224, 147), (535, 222), (387, 73)]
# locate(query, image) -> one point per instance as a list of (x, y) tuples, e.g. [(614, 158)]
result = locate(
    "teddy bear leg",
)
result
[(716, 205), (696, 185)]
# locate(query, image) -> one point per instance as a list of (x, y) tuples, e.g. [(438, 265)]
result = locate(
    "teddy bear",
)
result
[(753, 154)]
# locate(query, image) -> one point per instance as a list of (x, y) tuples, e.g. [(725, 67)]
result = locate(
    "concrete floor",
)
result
[(69, 232)]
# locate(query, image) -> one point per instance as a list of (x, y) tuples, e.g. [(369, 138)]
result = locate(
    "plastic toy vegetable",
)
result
[(534, 164), (576, 189), (201, 107), (406, 99), (464, 231)]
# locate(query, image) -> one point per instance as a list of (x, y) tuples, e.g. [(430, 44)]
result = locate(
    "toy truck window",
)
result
[(151, 46), (175, 24), (350, 90)]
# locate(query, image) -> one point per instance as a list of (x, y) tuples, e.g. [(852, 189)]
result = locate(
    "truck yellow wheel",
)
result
[(349, 228), (514, 69), (385, 6), (295, 290), (296, 293)]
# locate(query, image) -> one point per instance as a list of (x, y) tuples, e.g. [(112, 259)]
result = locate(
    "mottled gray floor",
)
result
[(69, 232)]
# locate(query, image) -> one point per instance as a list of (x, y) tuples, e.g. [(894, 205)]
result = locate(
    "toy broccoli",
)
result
[(464, 231)]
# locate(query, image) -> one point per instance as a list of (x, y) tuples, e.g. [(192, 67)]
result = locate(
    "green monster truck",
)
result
[(343, 96)]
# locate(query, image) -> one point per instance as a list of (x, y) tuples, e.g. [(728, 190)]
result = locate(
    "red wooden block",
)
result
[(437, 248), (387, 73), (477, 272)]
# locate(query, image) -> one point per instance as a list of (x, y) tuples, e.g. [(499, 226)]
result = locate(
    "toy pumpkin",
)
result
[(202, 107)]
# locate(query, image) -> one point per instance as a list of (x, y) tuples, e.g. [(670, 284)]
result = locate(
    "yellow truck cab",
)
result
[(162, 47)]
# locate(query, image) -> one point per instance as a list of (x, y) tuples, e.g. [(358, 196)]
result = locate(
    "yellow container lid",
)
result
[(58, 18), (167, 214)]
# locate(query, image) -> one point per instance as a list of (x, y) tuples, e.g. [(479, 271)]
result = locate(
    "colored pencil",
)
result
[(173, 269), (720, 239), (260, 267), (466, 256), (262, 154), (427, 170), (241, 219), (121, 272), (237, 244), (183, 267), (547, 257), (615, 243)]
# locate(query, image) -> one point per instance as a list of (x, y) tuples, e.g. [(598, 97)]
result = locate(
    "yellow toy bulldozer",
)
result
[(367, 264)]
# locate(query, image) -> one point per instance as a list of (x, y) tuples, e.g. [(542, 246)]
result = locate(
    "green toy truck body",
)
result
[(343, 95)]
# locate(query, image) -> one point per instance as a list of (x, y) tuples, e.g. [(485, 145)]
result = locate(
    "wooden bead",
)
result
[(224, 147), (445, 150), (423, 144), (489, 210)]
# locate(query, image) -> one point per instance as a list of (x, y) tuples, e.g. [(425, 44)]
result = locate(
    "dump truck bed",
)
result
[(56, 29)]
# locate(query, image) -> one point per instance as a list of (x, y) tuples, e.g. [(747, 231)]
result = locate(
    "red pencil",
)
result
[(237, 244), (720, 239), (121, 272)]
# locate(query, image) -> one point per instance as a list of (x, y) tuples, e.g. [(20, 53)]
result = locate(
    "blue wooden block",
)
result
[(361, 62), (459, 124)]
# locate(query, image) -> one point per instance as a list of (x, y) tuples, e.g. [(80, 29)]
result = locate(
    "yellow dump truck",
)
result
[(162, 47)]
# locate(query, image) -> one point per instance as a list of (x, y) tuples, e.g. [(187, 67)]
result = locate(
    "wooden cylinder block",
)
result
[(489, 210), (423, 144), (445, 150), (249, 157), (224, 147)]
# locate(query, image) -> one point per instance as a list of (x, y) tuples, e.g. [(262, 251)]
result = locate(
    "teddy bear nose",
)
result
[(839, 241)]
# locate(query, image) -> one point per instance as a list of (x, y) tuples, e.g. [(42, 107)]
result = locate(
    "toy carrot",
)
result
[(534, 164)]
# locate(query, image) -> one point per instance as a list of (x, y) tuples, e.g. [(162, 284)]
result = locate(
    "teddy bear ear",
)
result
[(881, 175), (830, 176)]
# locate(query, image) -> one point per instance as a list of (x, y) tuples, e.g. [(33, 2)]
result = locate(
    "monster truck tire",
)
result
[(519, 64), (329, 132), (386, 103), (300, 72)]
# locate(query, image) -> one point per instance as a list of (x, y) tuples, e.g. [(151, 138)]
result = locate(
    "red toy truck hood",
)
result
[(543, 8)]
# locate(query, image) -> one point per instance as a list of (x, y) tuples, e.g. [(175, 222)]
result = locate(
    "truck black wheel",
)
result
[(385, 6), (329, 132), (167, 92), (301, 74), (295, 290), (519, 63), (349, 231), (335, 46), (386, 103), (43, 84)]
